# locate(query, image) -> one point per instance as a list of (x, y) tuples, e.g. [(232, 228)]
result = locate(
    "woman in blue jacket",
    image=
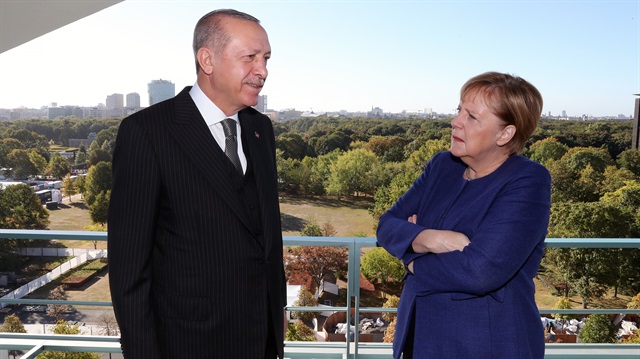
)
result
[(471, 232)]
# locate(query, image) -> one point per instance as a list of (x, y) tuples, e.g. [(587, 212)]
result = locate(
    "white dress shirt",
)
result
[(213, 117)]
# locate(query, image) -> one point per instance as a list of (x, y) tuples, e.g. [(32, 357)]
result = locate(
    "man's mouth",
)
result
[(257, 84)]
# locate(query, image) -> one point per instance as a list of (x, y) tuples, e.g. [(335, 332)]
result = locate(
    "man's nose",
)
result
[(261, 69)]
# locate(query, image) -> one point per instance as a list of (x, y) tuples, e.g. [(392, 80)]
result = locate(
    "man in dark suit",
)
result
[(195, 243)]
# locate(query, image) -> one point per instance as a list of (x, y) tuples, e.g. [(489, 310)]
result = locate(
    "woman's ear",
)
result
[(506, 135)]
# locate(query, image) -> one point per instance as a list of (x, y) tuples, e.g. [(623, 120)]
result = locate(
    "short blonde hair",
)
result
[(511, 98)]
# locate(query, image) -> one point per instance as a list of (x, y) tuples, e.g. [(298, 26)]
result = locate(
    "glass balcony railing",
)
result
[(35, 342)]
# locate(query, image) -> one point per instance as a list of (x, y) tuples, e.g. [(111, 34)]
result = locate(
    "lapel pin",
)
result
[(257, 135)]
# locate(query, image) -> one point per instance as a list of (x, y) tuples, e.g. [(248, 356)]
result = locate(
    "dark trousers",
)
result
[(271, 349)]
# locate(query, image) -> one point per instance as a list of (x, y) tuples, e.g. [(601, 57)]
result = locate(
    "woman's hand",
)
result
[(439, 241)]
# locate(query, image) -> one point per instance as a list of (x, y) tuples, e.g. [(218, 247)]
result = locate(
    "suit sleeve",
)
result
[(511, 230), (395, 233), (131, 223)]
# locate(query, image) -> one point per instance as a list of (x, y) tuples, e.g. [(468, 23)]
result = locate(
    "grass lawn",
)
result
[(73, 216), (349, 217)]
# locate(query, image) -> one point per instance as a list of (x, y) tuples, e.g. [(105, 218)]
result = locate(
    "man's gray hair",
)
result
[(210, 33)]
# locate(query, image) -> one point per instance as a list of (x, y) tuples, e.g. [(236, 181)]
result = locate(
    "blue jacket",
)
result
[(478, 302)]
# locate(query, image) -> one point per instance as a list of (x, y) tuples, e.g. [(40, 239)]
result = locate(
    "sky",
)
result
[(583, 56)]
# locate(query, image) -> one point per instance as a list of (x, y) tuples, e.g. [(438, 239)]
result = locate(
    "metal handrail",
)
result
[(354, 246)]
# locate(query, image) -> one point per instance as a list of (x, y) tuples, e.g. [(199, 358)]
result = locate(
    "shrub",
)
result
[(392, 302), (632, 339), (563, 303), (597, 329), (300, 332), (634, 303), (390, 333)]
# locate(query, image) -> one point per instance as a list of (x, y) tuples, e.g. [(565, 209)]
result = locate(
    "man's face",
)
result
[(240, 70)]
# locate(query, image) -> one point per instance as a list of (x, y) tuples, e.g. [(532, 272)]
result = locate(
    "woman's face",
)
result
[(477, 135)]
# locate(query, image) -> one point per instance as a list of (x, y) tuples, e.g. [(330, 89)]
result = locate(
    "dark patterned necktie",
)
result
[(231, 142)]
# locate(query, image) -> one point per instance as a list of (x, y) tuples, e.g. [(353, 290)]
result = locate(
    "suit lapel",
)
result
[(192, 134)]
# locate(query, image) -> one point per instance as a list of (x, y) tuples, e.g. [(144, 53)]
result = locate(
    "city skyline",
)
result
[(328, 56)]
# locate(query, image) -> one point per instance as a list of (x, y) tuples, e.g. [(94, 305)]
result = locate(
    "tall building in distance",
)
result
[(133, 100), (262, 103), (160, 90), (115, 100), (114, 106)]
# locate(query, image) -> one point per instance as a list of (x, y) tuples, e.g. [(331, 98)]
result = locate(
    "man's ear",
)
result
[(506, 135), (205, 59)]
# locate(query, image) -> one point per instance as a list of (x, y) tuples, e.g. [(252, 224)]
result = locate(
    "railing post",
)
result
[(350, 292)]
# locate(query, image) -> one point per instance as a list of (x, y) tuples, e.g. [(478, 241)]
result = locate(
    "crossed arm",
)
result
[(436, 241)]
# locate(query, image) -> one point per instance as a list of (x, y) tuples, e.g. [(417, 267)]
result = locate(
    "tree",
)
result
[(99, 179), (81, 184), (21, 163), (352, 173), (58, 166), (547, 150), (292, 145), (420, 157), (11, 144), (81, 156), (305, 299), (597, 329), (12, 324), (590, 271), (579, 157), (109, 325), (99, 209), (68, 187), (38, 162), (106, 138), (21, 209), (98, 155), (386, 196), (378, 265), (57, 310), (290, 173), (63, 327), (630, 159), (300, 332), (615, 178), (328, 142), (390, 148), (317, 171), (316, 261), (578, 175)]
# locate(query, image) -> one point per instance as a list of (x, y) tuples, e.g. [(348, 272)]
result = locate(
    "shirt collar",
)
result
[(211, 113)]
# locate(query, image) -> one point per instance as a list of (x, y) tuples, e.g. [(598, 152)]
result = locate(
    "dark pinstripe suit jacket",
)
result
[(189, 275)]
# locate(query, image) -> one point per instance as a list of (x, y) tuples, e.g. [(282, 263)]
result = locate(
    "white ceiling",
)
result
[(24, 20)]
